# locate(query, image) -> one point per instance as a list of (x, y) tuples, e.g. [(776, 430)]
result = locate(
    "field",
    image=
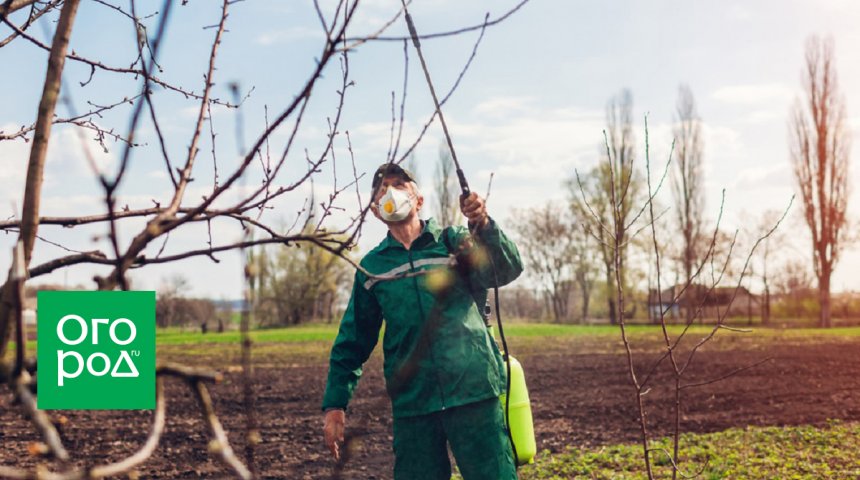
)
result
[(796, 415)]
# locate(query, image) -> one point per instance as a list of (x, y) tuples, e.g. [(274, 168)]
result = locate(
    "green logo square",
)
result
[(96, 350)]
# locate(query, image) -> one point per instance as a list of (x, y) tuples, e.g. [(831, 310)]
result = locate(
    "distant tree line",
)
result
[(572, 266), (298, 284), (174, 308), (571, 260)]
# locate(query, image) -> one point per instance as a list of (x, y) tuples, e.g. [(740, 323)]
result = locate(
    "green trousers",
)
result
[(476, 434)]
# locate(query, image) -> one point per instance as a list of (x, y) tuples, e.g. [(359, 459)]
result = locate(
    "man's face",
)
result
[(400, 183)]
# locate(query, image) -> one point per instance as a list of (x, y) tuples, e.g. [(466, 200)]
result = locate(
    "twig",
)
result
[(487, 23), (32, 18), (489, 187), (98, 65), (219, 445), (148, 448), (677, 468), (727, 375), (191, 374), (38, 417)]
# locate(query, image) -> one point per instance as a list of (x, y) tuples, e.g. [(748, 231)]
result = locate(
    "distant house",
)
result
[(30, 303), (29, 310), (711, 303)]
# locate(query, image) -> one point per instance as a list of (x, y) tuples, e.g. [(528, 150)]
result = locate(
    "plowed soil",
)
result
[(579, 399)]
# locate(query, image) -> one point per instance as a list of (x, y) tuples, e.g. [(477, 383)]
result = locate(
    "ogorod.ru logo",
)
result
[(95, 358), (96, 350)]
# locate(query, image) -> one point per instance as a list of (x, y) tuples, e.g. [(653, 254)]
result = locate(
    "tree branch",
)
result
[(38, 152)]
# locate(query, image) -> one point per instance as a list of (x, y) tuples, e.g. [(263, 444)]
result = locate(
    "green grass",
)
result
[(327, 332), (520, 329), (804, 452), (314, 340), (555, 330), (304, 333), (824, 332)]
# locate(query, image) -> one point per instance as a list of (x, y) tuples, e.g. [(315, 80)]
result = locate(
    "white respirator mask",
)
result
[(395, 205)]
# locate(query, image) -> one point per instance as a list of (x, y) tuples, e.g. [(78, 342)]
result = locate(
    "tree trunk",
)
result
[(749, 309), (610, 287), (36, 166), (613, 318), (824, 298), (585, 299), (765, 312)]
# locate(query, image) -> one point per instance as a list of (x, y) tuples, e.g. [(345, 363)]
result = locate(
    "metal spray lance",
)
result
[(522, 441), (464, 185)]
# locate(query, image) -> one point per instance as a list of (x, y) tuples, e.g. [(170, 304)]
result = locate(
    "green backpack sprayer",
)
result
[(518, 414)]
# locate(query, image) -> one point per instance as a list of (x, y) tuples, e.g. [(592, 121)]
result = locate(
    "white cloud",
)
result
[(763, 176), (14, 154), (528, 140), (68, 205), (722, 143), (765, 116), (503, 105), (70, 152), (755, 94), (65, 164)]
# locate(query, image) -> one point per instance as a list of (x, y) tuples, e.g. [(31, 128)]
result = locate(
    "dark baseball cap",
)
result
[(390, 169)]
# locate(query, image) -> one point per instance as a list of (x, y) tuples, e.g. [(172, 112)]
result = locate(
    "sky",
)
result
[(530, 109)]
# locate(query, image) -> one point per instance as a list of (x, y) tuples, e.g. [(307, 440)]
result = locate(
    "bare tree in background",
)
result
[(171, 290), (545, 236), (820, 146), (592, 196), (299, 284), (764, 256), (411, 164), (793, 281), (585, 267), (679, 359), (447, 192), (688, 189)]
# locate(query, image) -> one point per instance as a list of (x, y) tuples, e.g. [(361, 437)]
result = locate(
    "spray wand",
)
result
[(464, 185), (464, 188)]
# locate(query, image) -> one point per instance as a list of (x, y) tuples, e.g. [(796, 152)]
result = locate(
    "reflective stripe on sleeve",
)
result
[(395, 272)]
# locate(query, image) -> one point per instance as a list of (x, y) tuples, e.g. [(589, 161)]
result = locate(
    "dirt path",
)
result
[(580, 400)]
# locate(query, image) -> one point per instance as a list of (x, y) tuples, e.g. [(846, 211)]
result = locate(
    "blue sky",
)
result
[(530, 109)]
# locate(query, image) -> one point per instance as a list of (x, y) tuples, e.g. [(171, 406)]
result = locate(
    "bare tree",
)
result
[(642, 374), (764, 257), (793, 279), (688, 189), (522, 302), (170, 292), (584, 266), (446, 190), (611, 190), (545, 236), (820, 147), (226, 199), (299, 284), (794, 286)]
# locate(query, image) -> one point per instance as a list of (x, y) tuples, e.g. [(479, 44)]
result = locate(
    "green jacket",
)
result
[(438, 352)]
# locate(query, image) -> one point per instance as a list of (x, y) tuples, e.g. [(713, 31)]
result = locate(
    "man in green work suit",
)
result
[(443, 371)]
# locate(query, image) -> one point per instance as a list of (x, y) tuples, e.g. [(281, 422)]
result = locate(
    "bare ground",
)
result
[(577, 399)]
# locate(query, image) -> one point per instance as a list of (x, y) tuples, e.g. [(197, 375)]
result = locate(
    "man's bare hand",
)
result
[(475, 210), (333, 429)]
